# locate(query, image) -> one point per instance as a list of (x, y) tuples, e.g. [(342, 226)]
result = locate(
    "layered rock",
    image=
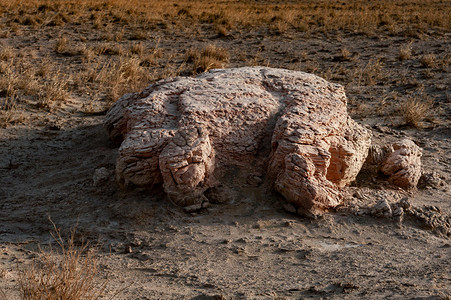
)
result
[(403, 164), (192, 134)]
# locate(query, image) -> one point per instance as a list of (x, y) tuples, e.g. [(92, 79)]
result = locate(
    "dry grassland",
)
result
[(90, 52)]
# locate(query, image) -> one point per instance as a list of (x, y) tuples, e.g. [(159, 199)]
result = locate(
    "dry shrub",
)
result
[(345, 55), (9, 113), (6, 53), (139, 35), (371, 74), (68, 273), (118, 78), (8, 82), (428, 60), (62, 45), (210, 57), (138, 49), (405, 52), (415, 109), (54, 92), (109, 49)]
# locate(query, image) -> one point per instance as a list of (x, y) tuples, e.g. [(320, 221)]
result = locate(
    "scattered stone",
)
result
[(431, 180), (193, 208), (192, 134), (398, 213), (432, 218), (377, 154), (139, 255), (359, 195), (404, 203), (238, 250), (381, 209), (403, 165), (101, 176), (128, 249), (254, 180)]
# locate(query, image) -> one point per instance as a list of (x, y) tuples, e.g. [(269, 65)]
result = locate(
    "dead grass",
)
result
[(69, 273), (53, 93), (371, 73), (115, 78), (207, 58), (6, 53), (62, 45), (108, 48), (356, 15), (101, 42), (428, 60), (405, 52), (415, 109)]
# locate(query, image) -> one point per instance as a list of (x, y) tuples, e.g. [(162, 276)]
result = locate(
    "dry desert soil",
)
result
[(63, 64)]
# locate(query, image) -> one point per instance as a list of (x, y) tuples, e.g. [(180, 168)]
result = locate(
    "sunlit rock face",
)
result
[(217, 129)]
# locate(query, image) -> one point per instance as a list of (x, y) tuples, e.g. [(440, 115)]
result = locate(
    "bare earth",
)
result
[(251, 248)]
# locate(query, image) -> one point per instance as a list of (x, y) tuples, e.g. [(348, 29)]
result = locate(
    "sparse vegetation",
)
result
[(69, 272), (428, 60), (210, 57), (415, 109), (101, 49), (405, 52)]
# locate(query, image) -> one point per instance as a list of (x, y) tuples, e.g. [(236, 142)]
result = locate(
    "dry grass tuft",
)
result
[(8, 82), (345, 54), (62, 45), (7, 53), (414, 110), (428, 60), (371, 74), (138, 49), (405, 52), (210, 57), (118, 78), (69, 273), (109, 49), (54, 92)]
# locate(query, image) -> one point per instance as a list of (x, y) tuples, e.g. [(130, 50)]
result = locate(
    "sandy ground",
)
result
[(250, 248)]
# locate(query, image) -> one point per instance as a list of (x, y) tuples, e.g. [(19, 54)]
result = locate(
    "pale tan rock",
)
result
[(403, 165), (224, 126), (187, 164)]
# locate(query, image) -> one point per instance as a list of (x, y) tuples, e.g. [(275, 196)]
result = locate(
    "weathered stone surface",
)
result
[(101, 176), (225, 126), (403, 165)]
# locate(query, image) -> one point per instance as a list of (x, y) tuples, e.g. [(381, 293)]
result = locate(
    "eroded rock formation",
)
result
[(403, 164), (192, 134)]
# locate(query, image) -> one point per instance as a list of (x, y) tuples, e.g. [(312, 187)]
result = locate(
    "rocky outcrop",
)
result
[(403, 164), (193, 134)]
